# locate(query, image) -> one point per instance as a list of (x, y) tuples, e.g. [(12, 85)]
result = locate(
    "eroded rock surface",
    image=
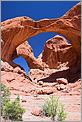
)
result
[(17, 30), (57, 52), (26, 52)]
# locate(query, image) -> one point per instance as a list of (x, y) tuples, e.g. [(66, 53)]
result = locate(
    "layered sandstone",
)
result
[(26, 52), (27, 28), (58, 51), (15, 32)]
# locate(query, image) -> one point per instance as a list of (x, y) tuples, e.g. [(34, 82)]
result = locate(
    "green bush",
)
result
[(5, 96), (62, 114), (52, 108), (13, 111), (5, 93), (10, 110)]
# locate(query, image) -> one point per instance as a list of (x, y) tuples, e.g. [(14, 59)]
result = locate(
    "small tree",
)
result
[(53, 109), (10, 109)]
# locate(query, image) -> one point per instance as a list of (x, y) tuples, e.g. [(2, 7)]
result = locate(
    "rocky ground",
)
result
[(34, 94)]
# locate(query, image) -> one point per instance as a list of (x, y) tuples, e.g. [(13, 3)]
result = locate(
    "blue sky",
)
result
[(36, 10)]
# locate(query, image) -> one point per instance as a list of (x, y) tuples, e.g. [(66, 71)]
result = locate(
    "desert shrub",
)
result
[(13, 111), (5, 96), (10, 110), (62, 114), (52, 108), (5, 93)]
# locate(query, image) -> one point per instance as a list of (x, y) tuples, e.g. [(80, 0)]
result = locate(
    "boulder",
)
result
[(62, 81), (5, 66), (36, 112), (40, 82), (61, 87)]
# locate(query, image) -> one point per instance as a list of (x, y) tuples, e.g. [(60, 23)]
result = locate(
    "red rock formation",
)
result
[(57, 65), (57, 51), (26, 27), (19, 83), (17, 30), (26, 52), (11, 31)]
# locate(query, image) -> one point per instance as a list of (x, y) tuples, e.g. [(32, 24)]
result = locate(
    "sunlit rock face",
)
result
[(26, 52), (57, 51)]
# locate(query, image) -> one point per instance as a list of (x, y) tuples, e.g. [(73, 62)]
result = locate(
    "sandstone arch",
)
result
[(16, 31)]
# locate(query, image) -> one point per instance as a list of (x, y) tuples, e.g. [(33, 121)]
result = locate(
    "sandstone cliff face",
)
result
[(15, 32), (58, 51), (11, 31)]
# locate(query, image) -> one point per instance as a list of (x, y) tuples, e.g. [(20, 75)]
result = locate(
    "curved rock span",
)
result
[(15, 32)]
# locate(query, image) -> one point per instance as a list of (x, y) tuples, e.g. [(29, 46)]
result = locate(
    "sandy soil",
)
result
[(32, 100)]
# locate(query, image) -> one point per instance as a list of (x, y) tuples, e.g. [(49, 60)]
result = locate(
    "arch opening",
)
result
[(37, 43), (22, 62)]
